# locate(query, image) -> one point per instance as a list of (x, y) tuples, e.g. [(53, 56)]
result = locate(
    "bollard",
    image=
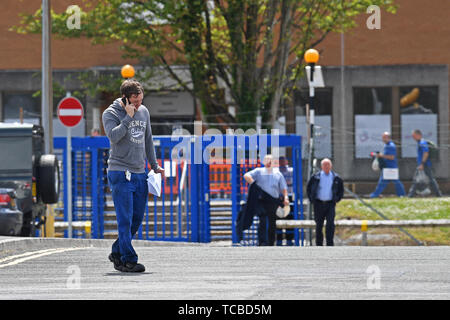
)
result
[(364, 229), (87, 229), (50, 222)]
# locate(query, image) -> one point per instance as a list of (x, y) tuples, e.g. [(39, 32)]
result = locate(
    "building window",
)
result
[(418, 110), (323, 106), (12, 102), (419, 100), (372, 108), (372, 101)]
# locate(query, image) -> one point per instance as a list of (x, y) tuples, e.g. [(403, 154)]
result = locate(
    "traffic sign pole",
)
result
[(70, 113), (69, 180)]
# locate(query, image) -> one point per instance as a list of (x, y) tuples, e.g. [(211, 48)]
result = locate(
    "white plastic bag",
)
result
[(422, 181), (421, 177), (375, 165), (283, 212), (154, 183)]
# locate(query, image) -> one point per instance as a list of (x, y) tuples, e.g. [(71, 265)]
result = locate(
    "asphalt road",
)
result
[(58, 270)]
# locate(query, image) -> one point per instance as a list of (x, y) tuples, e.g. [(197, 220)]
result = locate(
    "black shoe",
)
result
[(115, 259), (132, 267)]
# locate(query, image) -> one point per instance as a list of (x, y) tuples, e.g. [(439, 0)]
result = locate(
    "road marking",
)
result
[(33, 255), (24, 255)]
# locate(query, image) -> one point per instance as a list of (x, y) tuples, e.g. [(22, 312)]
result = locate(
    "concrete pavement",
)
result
[(74, 269)]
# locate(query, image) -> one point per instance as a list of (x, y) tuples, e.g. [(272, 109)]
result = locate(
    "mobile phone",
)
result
[(124, 100)]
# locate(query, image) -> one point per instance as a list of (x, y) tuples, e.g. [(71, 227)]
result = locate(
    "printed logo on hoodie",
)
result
[(137, 131)]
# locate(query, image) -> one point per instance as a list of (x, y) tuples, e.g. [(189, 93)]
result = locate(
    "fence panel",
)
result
[(194, 180)]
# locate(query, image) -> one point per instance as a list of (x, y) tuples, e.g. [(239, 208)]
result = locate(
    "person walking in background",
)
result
[(95, 132), (423, 164), (389, 157), (127, 126), (288, 174), (273, 188), (324, 190)]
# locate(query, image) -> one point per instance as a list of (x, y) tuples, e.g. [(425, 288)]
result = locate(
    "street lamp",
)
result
[(311, 58), (127, 71)]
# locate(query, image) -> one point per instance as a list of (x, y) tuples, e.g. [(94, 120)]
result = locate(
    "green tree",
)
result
[(250, 49)]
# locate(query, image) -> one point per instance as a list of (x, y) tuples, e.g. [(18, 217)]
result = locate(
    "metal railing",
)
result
[(364, 225), (182, 213)]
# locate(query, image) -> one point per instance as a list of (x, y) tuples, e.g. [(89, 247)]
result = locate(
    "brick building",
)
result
[(366, 74)]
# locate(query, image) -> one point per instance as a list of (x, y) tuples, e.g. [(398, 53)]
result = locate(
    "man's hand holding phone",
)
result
[(129, 108)]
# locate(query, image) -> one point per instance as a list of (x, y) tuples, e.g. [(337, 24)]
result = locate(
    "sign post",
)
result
[(46, 82), (70, 113), (315, 80)]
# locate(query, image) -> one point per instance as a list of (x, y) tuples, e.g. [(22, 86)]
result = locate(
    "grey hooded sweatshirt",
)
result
[(130, 138)]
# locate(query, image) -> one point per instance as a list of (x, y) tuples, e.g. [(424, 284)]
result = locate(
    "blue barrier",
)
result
[(183, 212), (240, 187)]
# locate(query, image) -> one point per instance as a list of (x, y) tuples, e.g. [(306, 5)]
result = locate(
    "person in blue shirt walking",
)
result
[(389, 157), (423, 163)]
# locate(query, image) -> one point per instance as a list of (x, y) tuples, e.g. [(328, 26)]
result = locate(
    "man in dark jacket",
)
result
[(258, 202), (272, 188), (324, 190)]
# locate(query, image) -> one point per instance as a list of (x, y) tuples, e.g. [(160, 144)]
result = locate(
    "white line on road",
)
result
[(24, 255), (33, 255)]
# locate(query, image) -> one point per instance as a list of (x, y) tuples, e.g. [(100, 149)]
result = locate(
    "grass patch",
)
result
[(399, 209)]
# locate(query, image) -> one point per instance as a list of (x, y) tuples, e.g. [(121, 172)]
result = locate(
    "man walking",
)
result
[(127, 126), (423, 164), (389, 157), (273, 189), (324, 190)]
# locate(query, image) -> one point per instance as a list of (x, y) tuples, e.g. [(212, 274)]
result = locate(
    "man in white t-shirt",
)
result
[(274, 185)]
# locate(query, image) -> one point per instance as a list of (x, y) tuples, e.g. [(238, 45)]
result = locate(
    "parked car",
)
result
[(29, 179)]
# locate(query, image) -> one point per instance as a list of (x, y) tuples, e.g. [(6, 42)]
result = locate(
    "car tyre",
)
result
[(48, 179)]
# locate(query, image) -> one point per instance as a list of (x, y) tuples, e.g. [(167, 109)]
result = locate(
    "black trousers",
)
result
[(324, 211), (267, 227)]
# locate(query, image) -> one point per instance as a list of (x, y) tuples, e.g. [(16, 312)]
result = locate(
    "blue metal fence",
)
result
[(290, 144), (182, 213)]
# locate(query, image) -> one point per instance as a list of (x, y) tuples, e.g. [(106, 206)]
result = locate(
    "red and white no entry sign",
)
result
[(70, 111)]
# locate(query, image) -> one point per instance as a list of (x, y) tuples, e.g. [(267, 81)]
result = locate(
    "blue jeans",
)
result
[(399, 189), (130, 201)]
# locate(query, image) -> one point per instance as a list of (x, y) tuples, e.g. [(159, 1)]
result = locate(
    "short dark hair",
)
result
[(417, 131), (131, 86)]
